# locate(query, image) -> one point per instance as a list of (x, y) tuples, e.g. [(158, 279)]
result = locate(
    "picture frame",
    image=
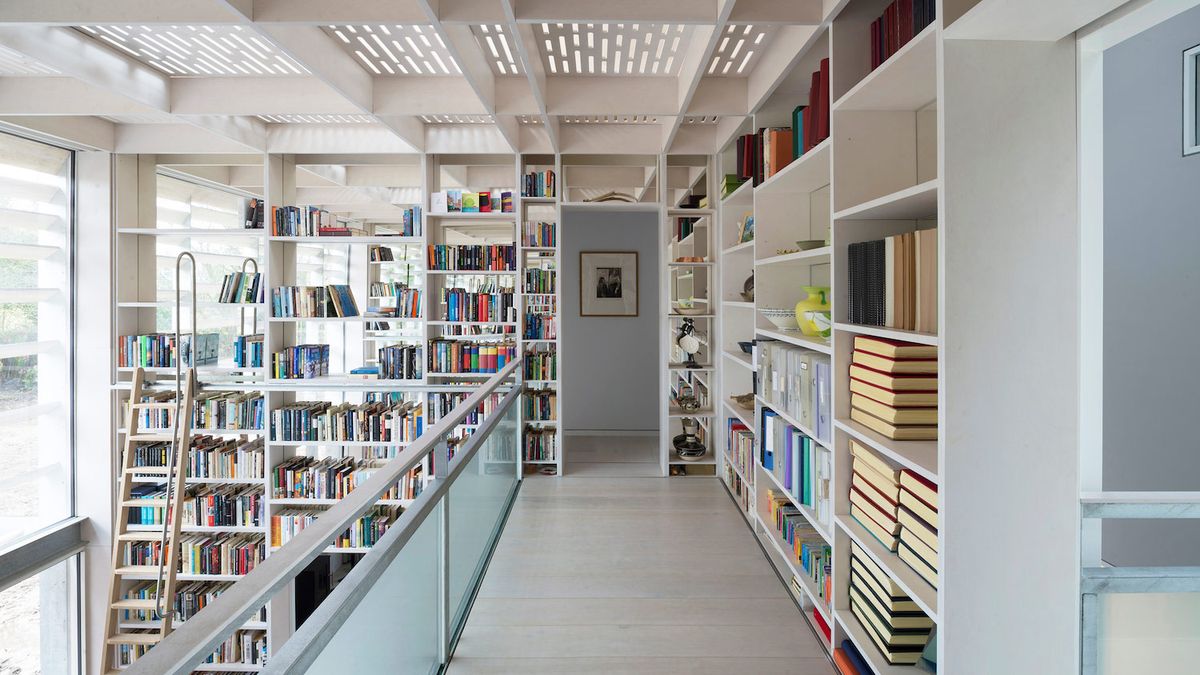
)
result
[(746, 228), (608, 283)]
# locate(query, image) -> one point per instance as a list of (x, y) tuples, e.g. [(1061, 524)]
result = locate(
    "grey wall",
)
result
[(610, 364), (1151, 290)]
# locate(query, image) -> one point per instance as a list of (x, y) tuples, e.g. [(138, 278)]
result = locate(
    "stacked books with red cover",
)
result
[(918, 517), (849, 661), (893, 388), (900, 22), (896, 624), (875, 495)]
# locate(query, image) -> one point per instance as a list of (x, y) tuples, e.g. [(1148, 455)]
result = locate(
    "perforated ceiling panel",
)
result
[(701, 119), (16, 64), (396, 50), (738, 50), (458, 119), (612, 49), (316, 119), (610, 119), (215, 51), (497, 45)]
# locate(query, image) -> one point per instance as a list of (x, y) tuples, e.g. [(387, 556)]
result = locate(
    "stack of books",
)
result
[(918, 517), (875, 495), (539, 184), (892, 282), (241, 288), (895, 623), (730, 183), (335, 300), (849, 661), (893, 388)]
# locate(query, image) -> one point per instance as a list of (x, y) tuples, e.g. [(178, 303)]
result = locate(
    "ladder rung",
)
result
[(153, 406), (135, 603), (135, 639), (152, 438), (152, 503), (131, 570), (140, 536), (148, 470)]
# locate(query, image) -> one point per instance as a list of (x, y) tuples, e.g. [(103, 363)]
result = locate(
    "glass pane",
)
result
[(185, 204), (35, 622), (1148, 633), (478, 498), (395, 628), (35, 311)]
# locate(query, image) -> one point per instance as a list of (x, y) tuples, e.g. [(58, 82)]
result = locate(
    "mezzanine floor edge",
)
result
[(611, 574)]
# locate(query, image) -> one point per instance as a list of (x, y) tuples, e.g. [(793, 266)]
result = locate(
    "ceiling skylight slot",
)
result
[(603, 49), (219, 51), (738, 50), (393, 49)]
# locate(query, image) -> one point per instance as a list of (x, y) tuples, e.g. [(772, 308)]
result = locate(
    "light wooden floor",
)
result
[(629, 574)]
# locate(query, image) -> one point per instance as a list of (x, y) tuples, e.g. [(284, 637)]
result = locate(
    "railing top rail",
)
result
[(196, 638)]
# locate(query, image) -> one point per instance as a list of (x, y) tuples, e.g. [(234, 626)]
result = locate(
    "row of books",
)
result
[(473, 257), (540, 444), (900, 22), (334, 300), (331, 478), (399, 362), (541, 364), (157, 350), (227, 410), (540, 326), (467, 201), (540, 280), (220, 554), (540, 184), (898, 507), (300, 362), (208, 457), (540, 405), (363, 533), (797, 382), (244, 647), (224, 506), (740, 451), (190, 597), (893, 282), (808, 548), (444, 402), (241, 288), (490, 304), (893, 388), (810, 123), (456, 356), (802, 466), (896, 625), (248, 351), (408, 300), (303, 221), (539, 234), (399, 422)]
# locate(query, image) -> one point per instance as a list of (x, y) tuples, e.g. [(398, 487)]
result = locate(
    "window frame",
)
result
[(1191, 69)]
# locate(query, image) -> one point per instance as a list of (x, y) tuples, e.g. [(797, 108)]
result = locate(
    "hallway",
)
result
[(604, 574)]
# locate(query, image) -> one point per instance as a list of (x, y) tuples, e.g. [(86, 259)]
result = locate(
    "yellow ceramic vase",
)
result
[(813, 312)]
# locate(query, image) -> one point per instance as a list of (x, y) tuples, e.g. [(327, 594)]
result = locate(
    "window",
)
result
[(1191, 98), (36, 220), (37, 626)]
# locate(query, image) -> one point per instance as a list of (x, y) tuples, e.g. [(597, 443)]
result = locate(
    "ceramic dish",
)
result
[(783, 319)]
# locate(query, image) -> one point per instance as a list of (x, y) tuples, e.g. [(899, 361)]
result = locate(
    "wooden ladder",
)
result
[(179, 439)]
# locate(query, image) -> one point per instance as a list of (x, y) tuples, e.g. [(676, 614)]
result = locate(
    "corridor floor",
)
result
[(631, 574)]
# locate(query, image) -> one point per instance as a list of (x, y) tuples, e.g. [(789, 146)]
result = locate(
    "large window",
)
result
[(35, 336)]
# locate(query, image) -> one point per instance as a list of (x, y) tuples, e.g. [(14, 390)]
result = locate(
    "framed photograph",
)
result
[(608, 283)]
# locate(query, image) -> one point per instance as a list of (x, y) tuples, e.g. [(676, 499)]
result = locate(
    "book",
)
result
[(919, 508), (893, 431), (905, 383), (343, 300), (897, 647), (861, 453), (884, 514), (895, 366), (843, 663), (855, 658), (892, 619), (926, 280), (894, 601), (885, 537), (821, 624), (868, 482), (894, 349), (470, 202), (918, 528), (920, 487), (897, 416), (907, 399), (927, 571)]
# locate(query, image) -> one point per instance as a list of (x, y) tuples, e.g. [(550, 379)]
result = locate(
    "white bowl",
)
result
[(784, 319)]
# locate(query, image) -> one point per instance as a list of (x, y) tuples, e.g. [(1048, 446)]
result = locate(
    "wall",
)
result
[(610, 364), (1151, 290)]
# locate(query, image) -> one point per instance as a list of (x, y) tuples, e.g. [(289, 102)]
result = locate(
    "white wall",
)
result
[(610, 364), (1151, 291)]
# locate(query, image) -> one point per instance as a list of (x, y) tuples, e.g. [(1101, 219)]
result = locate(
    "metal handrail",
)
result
[(200, 635)]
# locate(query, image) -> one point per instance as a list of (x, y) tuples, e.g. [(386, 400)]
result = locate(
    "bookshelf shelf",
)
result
[(796, 338), (740, 415), (377, 239), (188, 232), (336, 319), (787, 417), (342, 444), (919, 456), (804, 174), (806, 583), (909, 581), (471, 272), (888, 333), (675, 411), (822, 529), (504, 324), (300, 501), (202, 304), (217, 432), (816, 256), (214, 529), (229, 667), (739, 358), (741, 196), (918, 202), (858, 635), (493, 215), (738, 248), (906, 81), (738, 304)]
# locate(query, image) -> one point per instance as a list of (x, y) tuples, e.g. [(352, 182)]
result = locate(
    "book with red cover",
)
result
[(823, 108), (758, 155), (920, 487), (781, 149), (874, 44), (741, 157), (821, 624), (905, 10)]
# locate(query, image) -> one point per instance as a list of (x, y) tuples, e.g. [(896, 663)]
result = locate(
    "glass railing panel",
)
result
[(1147, 633), (395, 629), (479, 500)]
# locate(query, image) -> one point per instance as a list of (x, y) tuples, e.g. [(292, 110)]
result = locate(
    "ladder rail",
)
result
[(253, 310), (173, 455)]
